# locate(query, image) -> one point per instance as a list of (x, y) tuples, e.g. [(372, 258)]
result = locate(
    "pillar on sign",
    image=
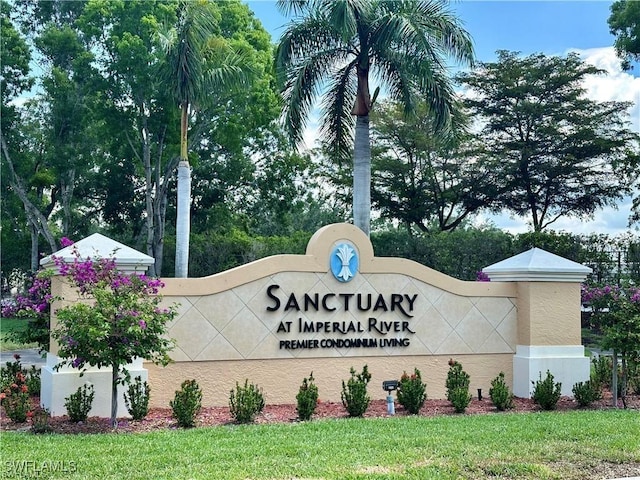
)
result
[(58, 384), (549, 313)]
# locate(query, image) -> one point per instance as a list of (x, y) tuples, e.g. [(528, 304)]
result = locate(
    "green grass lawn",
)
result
[(8, 325), (551, 445)]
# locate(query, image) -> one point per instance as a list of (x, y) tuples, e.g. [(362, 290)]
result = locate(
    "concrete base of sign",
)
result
[(57, 385), (567, 364)]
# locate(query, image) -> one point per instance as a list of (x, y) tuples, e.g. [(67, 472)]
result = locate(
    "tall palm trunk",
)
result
[(183, 219), (362, 175)]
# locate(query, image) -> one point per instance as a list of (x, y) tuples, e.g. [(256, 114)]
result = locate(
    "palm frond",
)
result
[(304, 59), (303, 87), (337, 126), (292, 7)]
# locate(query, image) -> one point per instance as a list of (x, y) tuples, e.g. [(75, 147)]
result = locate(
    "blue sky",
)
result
[(549, 27), (527, 26)]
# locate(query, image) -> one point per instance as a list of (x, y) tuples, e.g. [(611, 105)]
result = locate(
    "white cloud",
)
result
[(615, 84)]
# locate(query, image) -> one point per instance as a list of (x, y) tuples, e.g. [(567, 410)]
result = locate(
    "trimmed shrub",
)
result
[(354, 393), (307, 398), (460, 399), (412, 392), (601, 371), (78, 404), (15, 398), (187, 403), (500, 395), (458, 386), (245, 402), (546, 393), (586, 393), (40, 421), (136, 398), (456, 378)]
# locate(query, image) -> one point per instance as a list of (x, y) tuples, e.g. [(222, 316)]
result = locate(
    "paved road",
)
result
[(28, 357)]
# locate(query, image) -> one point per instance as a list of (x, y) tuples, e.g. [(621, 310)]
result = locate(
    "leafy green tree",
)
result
[(199, 61), (424, 178), (345, 44), (20, 173), (141, 151), (558, 152), (57, 145), (226, 132), (624, 24), (616, 311)]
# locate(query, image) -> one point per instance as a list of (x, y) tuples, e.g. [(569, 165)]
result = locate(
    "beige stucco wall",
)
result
[(235, 325), (64, 294), (280, 379), (228, 329), (547, 312)]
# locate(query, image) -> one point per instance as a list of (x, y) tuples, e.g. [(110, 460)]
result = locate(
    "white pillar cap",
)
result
[(537, 265), (98, 246)]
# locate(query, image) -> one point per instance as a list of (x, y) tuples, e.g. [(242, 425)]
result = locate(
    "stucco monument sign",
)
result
[(338, 306)]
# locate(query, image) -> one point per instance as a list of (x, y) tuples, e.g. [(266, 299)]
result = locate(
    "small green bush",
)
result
[(187, 403), (245, 402), (33, 380), (500, 395), (78, 404), (601, 371), (136, 398), (40, 421), (546, 393), (460, 399), (458, 386), (8, 374), (456, 378), (307, 398), (412, 392), (354, 392), (633, 367), (586, 393), (30, 377)]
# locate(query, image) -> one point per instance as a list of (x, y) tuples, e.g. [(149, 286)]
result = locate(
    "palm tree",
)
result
[(200, 65), (342, 45)]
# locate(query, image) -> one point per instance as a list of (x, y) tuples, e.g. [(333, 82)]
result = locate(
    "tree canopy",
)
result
[(559, 152), (424, 178), (624, 24)]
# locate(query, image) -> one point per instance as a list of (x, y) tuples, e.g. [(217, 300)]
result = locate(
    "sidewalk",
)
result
[(28, 357)]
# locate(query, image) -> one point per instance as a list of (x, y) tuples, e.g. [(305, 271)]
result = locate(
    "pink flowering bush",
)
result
[(616, 311), (119, 320), (33, 306)]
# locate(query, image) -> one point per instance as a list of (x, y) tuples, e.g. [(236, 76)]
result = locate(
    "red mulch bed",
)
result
[(161, 418)]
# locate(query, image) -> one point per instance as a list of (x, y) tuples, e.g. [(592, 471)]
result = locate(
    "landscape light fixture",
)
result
[(389, 386)]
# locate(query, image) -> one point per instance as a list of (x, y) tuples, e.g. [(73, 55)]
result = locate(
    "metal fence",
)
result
[(615, 266)]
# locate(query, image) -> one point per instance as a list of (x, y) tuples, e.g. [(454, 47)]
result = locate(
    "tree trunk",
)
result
[(67, 186), (362, 175), (35, 242), (182, 220), (148, 194), (184, 201), (114, 396), (34, 216)]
